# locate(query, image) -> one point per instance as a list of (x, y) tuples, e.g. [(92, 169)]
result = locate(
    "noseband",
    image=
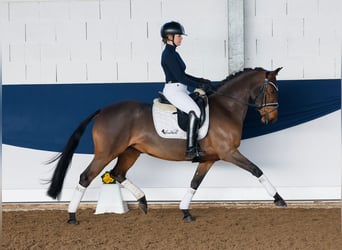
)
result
[(274, 105), (262, 93)]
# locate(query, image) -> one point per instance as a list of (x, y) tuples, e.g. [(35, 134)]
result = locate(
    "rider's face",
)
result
[(177, 39)]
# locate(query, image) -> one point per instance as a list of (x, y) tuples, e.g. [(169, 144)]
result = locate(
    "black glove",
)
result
[(206, 85)]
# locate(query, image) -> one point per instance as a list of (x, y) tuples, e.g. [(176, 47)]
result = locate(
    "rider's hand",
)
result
[(206, 85)]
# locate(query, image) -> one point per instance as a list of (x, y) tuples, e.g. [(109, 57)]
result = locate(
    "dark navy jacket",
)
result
[(174, 68)]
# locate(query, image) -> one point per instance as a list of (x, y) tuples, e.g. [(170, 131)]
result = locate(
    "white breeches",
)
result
[(178, 95)]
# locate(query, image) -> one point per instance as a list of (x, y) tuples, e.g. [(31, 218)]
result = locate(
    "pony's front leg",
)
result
[(200, 173), (246, 164)]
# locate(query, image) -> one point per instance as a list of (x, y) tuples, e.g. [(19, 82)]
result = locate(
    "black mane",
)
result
[(238, 73)]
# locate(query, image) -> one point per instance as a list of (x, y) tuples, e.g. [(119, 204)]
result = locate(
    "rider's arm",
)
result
[(173, 64)]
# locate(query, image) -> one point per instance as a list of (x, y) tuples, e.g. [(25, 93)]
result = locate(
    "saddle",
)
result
[(170, 122), (182, 117)]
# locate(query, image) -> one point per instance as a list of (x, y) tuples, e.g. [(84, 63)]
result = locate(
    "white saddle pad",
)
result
[(166, 124)]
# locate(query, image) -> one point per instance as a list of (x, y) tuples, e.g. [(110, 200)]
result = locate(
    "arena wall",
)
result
[(62, 60)]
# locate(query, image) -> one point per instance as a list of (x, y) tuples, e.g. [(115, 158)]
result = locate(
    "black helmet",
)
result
[(172, 28)]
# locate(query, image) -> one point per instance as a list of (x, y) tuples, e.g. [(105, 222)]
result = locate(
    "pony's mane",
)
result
[(236, 74)]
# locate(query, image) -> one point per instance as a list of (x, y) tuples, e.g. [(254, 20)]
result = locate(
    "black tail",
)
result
[(65, 158)]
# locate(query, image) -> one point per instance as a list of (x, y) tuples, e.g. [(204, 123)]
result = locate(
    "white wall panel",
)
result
[(24, 11), (119, 51), (325, 8), (101, 71), (302, 8), (124, 31), (68, 31), (40, 32), (100, 30), (131, 29), (293, 67), (84, 10), (303, 46), (215, 69), (272, 48), (48, 72), (55, 52), (32, 72), (14, 52), (84, 51), (4, 13), (267, 8), (115, 10), (70, 72), (322, 27), (32, 53), (307, 34), (253, 24), (13, 31), (263, 62), (155, 72), (110, 51), (52, 11), (145, 49), (132, 71), (13, 72), (327, 67), (146, 10), (287, 27), (327, 48)]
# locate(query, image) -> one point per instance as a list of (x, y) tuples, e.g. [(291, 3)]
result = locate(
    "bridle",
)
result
[(262, 94), (273, 105)]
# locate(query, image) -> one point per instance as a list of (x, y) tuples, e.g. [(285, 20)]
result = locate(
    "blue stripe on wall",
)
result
[(44, 116)]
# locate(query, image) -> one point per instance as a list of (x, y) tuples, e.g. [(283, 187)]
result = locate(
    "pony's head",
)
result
[(266, 99)]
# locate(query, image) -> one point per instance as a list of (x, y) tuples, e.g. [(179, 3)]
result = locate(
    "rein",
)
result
[(263, 89)]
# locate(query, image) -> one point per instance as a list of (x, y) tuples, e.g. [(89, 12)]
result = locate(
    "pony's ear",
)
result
[(273, 73), (277, 70)]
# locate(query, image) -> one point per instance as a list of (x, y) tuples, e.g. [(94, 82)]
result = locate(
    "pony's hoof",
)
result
[(72, 219), (188, 218), (278, 201), (73, 222), (143, 204)]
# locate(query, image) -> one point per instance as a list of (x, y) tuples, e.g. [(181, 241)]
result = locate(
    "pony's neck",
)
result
[(240, 88)]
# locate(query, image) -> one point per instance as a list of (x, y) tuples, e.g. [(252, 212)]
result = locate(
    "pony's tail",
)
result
[(65, 157)]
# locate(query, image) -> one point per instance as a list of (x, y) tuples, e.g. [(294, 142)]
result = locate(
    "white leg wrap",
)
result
[(185, 203), (76, 198), (267, 185), (137, 192)]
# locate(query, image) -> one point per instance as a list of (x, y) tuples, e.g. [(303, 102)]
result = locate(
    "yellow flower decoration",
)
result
[(107, 179)]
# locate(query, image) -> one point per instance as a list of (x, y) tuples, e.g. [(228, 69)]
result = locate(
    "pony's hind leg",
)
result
[(124, 163), (243, 162), (94, 168)]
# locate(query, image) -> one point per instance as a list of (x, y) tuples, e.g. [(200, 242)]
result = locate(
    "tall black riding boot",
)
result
[(193, 151)]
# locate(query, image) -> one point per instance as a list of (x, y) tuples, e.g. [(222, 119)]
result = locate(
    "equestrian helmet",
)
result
[(172, 28)]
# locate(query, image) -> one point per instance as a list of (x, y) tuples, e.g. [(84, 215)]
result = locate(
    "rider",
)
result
[(175, 89)]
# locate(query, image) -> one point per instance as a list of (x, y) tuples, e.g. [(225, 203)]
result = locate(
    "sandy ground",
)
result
[(215, 227)]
